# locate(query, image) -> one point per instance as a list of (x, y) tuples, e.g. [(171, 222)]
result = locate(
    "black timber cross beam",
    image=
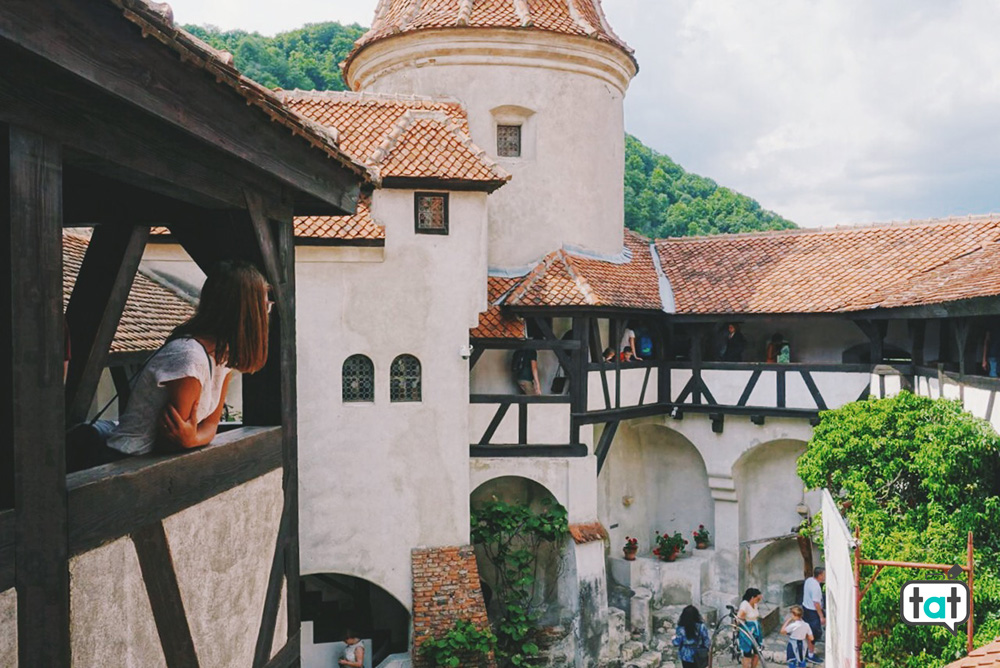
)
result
[(95, 308), (35, 377), (164, 593), (604, 443), (272, 599)]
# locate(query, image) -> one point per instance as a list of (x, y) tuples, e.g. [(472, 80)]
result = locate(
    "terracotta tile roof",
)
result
[(401, 136), (494, 323), (583, 18), (834, 270), (151, 312), (588, 533), (987, 656), (360, 226), (565, 278), (156, 20)]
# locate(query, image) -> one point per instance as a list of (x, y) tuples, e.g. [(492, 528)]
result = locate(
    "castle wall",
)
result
[(567, 93), (377, 479), (8, 622)]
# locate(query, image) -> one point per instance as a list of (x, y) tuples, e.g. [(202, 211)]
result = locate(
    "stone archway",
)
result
[(655, 480), (331, 603), (771, 500), (549, 596)]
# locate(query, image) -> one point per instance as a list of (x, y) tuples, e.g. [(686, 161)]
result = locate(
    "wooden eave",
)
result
[(135, 104)]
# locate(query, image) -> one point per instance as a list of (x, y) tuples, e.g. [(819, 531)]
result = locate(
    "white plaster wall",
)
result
[(547, 423), (492, 374), (630, 472), (570, 480), (111, 621), (654, 480), (566, 189), (222, 551), (377, 479), (835, 387), (629, 393), (8, 622)]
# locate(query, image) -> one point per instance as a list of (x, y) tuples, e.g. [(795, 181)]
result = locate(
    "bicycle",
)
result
[(726, 640)]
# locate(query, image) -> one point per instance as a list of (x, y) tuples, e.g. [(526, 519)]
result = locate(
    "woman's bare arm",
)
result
[(179, 421)]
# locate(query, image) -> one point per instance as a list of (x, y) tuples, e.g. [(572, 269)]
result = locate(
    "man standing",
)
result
[(812, 605)]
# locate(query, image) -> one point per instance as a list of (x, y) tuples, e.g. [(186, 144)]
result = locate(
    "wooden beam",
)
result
[(523, 344), (7, 531), (109, 137), (604, 444), (95, 309), (477, 352), (111, 501), (164, 593), (272, 598), (961, 331), (6, 346), (37, 346), (579, 382), (494, 423), (564, 359), (813, 390), (597, 352), (525, 450), (519, 399), (918, 333), (779, 384), (274, 270), (98, 44), (287, 656), (748, 390), (522, 423)]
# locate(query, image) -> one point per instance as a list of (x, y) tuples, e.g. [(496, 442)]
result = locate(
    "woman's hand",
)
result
[(177, 430)]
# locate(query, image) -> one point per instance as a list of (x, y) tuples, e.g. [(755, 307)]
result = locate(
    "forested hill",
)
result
[(661, 198)]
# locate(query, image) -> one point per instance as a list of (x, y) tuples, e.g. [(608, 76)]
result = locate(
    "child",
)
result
[(799, 638)]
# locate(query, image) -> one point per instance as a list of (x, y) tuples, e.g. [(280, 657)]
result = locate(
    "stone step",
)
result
[(646, 660), (631, 650)]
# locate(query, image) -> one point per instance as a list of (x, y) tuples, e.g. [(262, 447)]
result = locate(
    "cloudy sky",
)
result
[(826, 111)]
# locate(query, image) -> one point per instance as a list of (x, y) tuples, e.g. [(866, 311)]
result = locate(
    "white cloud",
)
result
[(827, 111)]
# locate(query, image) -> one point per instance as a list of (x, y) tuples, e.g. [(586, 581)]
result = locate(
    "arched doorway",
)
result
[(332, 603), (773, 502), (551, 557)]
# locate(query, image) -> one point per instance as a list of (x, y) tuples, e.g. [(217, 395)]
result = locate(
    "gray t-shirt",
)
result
[(180, 358)]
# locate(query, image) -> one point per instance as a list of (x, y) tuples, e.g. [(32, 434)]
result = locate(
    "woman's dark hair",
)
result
[(232, 312), (750, 593), (689, 621)]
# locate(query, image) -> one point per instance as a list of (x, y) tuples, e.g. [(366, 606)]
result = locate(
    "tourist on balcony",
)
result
[(778, 351), (179, 396), (991, 348), (734, 344), (628, 341), (627, 355), (691, 639), (748, 616), (524, 365), (354, 653), (608, 355)]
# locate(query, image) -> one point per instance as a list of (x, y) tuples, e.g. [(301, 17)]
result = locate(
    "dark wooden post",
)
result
[(36, 384), (696, 338), (918, 332), (664, 361), (961, 331), (580, 379)]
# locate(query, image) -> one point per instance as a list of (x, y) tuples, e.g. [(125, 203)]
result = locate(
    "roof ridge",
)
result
[(352, 96), (582, 284), (579, 20), (531, 277), (927, 222), (523, 12)]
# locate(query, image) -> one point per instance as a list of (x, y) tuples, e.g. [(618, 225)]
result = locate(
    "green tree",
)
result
[(915, 475)]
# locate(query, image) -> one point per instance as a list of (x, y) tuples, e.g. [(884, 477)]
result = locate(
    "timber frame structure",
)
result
[(593, 403), (111, 118)]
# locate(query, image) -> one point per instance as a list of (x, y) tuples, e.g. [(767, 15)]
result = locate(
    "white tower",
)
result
[(543, 82)]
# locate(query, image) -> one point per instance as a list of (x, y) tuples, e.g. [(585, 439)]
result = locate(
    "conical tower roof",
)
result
[(582, 18)]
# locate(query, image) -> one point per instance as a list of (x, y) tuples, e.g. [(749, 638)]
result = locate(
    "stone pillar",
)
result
[(726, 567)]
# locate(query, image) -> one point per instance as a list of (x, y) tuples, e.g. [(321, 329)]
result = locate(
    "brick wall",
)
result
[(445, 589)]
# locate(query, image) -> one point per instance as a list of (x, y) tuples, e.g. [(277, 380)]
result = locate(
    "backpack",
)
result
[(644, 342), (519, 361)]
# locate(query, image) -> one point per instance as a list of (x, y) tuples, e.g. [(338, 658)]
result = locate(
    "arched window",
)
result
[(358, 379), (404, 379)]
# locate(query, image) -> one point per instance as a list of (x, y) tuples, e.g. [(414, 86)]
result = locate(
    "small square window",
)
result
[(509, 141), (431, 213)]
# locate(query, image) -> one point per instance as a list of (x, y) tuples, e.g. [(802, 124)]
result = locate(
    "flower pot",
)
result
[(700, 546), (670, 556), (630, 553)]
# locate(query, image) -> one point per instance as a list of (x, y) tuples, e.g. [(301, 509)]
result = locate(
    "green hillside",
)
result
[(661, 198)]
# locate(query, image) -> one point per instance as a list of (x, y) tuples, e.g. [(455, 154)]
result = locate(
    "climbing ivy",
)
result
[(462, 642), (510, 536)]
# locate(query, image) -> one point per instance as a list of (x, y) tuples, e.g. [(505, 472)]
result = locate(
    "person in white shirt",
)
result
[(354, 653), (800, 638), (812, 602), (751, 637), (628, 341)]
